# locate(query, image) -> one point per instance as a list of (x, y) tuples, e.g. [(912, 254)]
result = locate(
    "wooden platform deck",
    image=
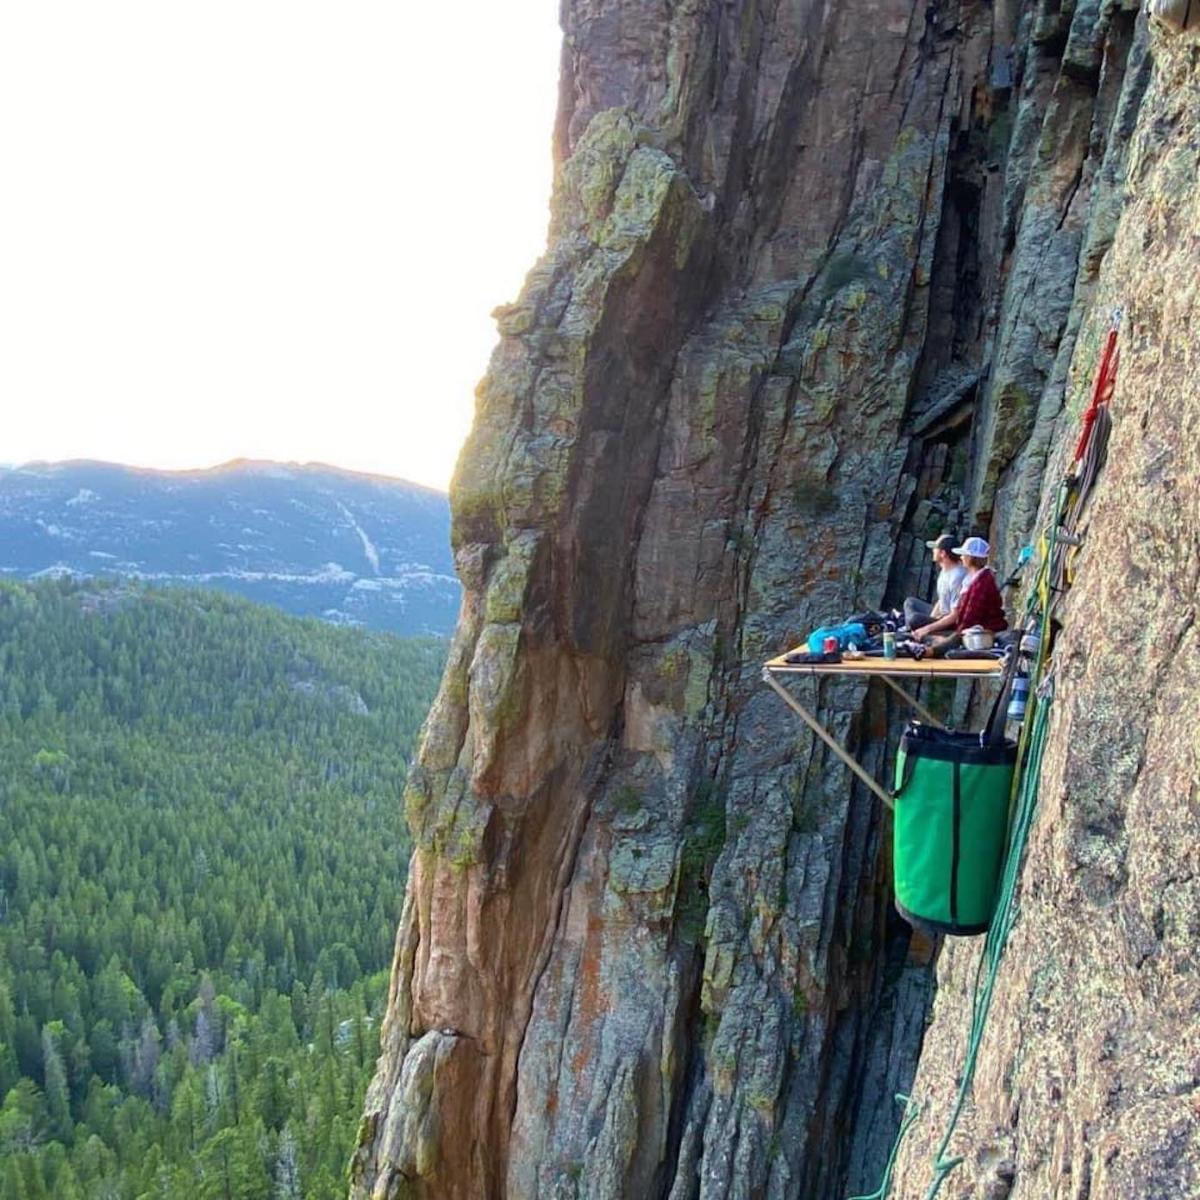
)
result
[(894, 668)]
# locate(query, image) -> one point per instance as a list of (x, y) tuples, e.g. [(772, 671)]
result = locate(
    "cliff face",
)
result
[(1089, 1078), (815, 278)]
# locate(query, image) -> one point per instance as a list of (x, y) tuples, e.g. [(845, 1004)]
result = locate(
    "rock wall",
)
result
[(1089, 1078), (815, 277)]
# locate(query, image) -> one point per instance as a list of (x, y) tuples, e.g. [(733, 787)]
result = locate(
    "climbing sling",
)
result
[(1091, 452)]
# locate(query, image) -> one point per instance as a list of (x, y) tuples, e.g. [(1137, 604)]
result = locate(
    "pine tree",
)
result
[(14, 1178), (206, 1039), (234, 1087), (233, 1167), (66, 1185), (145, 1058), (9, 1071), (273, 1098), (287, 1168), (187, 1112), (58, 1101), (22, 1118)]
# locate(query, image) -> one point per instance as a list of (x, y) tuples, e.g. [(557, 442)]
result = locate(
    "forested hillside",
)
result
[(201, 857)]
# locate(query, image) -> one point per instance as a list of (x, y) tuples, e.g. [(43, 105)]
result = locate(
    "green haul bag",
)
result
[(950, 828)]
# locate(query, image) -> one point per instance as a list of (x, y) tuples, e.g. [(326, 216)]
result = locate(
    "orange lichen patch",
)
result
[(591, 998), (807, 574), (921, 949)]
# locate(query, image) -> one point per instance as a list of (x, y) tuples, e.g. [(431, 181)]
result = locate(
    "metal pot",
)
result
[(978, 638)]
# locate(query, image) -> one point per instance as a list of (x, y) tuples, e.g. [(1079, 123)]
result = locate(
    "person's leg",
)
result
[(917, 612), (939, 645)]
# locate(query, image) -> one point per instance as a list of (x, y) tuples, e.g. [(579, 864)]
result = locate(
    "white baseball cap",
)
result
[(976, 547)]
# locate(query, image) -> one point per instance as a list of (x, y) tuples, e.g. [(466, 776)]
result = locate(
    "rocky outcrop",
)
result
[(815, 279)]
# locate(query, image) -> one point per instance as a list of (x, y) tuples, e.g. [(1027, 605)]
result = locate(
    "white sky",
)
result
[(264, 228)]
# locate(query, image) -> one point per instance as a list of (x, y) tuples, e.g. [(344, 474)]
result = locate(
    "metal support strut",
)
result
[(913, 701), (819, 730)]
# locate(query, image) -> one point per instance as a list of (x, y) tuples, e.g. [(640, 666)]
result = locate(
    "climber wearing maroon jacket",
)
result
[(979, 601)]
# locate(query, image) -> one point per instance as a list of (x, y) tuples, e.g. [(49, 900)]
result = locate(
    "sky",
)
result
[(264, 228)]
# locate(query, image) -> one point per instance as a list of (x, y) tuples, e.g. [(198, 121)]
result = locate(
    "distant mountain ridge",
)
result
[(312, 539)]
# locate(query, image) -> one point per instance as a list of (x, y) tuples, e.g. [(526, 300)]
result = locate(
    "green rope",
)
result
[(912, 1110), (1027, 777), (989, 962), (997, 937)]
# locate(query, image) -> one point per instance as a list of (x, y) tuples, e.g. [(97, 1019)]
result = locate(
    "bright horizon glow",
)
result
[(264, 229)]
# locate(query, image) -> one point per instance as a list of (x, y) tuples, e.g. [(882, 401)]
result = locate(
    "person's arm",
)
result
[(951, 620), (946, 622)]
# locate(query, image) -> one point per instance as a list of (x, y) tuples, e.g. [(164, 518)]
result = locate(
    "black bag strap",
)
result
[(993, 731), (910, 767)]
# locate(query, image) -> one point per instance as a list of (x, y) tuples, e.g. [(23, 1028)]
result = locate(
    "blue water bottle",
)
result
[(1018, 698)]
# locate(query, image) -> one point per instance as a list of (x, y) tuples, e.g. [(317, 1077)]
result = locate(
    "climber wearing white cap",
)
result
[(974, 547), (979, 601)]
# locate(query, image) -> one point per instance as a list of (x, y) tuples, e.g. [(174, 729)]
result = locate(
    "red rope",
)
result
[(1102, 389)]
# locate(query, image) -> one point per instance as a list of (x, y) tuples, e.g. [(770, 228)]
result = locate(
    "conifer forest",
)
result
[(202, 857)]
